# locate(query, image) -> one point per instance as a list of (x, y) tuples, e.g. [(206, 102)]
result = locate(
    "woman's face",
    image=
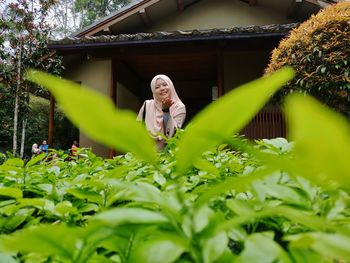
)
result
[(162, 90)]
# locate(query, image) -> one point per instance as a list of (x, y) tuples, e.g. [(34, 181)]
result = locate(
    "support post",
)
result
[(51, 121), (113, 94)]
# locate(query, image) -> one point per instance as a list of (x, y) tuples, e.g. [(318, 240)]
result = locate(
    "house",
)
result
[(207, 47)]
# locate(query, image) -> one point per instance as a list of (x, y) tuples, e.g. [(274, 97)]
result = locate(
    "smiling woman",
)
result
[(165, 112)]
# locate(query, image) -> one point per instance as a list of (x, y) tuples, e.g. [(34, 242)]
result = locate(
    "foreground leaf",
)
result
[(322, 142), (333, 246), (47, 240), (11, 192), (228, 115), (261, 248), (96, 115), (165, 248), (118, 216)]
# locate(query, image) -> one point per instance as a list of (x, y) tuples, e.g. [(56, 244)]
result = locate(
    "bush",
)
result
[(318, 50)]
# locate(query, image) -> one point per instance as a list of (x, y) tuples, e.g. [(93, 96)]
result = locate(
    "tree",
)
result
[(26, 33), (71, 15), (65, 18), (319, 52), (96, 9)]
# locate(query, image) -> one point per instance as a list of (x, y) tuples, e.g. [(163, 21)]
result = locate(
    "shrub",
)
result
[(318, 50)]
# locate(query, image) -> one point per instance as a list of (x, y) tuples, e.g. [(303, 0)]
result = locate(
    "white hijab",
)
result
[(154, 116)]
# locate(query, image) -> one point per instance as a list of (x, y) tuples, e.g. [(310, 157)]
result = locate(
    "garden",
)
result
[(210, 196)]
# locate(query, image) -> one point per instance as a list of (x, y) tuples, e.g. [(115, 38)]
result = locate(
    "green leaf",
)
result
[(35, 160), (202, 218), (162, 249), (334, 246), (97, 116), (36, 202), (47, 240), (214, 247), (5, 258), (282, 192), (139, 192), (17, 162), (231, 183), (118, 216), (305, 255), (261, 248), (11, 192), (206, 166), (322, 142), (64, 208), (17, 219), (84, 194), (226, 116)]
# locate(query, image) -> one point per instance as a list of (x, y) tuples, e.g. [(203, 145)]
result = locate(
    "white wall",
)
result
[(207, 14), (126, 99), (95, 74)]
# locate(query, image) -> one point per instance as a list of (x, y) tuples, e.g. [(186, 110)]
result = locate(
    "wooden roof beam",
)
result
[(107, 30), (145, 17), (118, 17), (180, 5)]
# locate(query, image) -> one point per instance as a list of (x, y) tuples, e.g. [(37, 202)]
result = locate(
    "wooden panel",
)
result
[(267, 124), (145, 17)]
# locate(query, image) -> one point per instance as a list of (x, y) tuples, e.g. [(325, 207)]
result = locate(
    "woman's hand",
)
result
[(166, 103)]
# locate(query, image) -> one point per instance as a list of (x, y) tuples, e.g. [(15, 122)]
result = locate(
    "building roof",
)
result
[(141, 8), (134, 8), (174, 36)]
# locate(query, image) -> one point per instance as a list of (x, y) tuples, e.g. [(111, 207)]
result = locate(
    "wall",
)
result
[(242, 67), (126, 99), (97, 75), (207, 14)]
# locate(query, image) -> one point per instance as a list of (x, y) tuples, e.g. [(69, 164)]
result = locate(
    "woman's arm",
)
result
[(175, 121)]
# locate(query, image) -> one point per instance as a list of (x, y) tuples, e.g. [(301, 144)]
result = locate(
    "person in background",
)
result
[(35, 149), (44, 148), (165, 112), (74, 147)]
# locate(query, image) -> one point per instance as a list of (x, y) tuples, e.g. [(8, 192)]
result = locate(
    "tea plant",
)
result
[(209, 197)]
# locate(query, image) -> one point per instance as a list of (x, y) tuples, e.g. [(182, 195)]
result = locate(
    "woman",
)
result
[(165, 113), (35, 149)]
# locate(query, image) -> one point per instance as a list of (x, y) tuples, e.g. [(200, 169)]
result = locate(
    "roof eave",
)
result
[(92, 45)]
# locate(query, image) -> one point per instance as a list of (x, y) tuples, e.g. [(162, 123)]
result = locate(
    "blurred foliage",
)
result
[(319, 52), (214, 199)]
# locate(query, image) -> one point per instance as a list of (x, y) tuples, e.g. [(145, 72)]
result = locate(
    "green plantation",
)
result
[(209, 197)]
